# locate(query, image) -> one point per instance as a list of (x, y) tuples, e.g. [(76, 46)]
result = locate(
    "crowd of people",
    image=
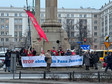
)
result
[(90, 59)]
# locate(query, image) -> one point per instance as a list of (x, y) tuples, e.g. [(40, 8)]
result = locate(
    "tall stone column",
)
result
[(53, 29), (51, 10), (34, 35)]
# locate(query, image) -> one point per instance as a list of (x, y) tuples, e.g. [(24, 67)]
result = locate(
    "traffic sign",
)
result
[(107, 37), (85, 47), (107, 44), (79, 42)]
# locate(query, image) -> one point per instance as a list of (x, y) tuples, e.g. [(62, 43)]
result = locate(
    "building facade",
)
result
[(13, 27), (106, 23), (80, 24)]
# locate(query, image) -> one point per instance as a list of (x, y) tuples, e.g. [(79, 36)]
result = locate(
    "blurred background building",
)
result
[(85, 25)]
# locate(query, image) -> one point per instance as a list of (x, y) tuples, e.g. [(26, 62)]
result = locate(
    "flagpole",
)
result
[(29, 33)]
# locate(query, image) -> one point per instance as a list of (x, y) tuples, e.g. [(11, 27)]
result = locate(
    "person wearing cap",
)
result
[(68, 53), (61, 52), (54, 52)]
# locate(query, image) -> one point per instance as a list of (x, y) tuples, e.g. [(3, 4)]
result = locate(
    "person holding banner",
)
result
[(48, 60)]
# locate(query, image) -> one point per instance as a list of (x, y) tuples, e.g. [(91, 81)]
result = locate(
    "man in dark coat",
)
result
[(109, 62), (7, 60), (95, 60)]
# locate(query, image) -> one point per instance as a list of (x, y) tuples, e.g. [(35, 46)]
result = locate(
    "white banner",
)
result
[(57, 61)]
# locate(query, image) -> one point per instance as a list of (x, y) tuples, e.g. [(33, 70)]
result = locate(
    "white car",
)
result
[(2, 58)]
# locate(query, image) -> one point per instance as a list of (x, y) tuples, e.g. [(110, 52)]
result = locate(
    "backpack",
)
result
[(45, 59)]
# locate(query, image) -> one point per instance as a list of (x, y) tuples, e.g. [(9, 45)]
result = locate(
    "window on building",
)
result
[(2, 26), (6, 20), (106, 28), (7, 39), (20, 20), (20, 26), (15, 34), (72, 34), (95, 22), (102, 29), (15, 26), (6, 33), (2, 33), (68, 15), (59, 20), (85, 15), (41, 15), (72, 27), (2, 20), (72, 15), (42, 20), (95, 16), (70, 21), (20, 14), (7, 26), (95, 27), (95, 40), (15, 21), (2, 14), (15, 39), (7, 14), (59, 15), (15, 14), (95, 33), (2, 39), (20, 33), (80, 15)]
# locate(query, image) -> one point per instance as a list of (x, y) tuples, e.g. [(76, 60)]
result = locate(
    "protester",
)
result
[(30, 53), (95, 60), (23, 52), (7, 60), (61, 52), (68, 53), (34, 52), (54, 52), (109, 62), (41, 54), (87, 60), (92, 59), (48, 60)]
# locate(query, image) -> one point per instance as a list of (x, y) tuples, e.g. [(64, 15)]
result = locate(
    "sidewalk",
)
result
[(47, 82)]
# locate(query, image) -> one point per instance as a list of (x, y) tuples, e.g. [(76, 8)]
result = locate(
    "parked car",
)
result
[(2, 58)]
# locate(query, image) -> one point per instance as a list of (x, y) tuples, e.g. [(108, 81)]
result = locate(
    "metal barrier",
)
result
[(95, 76)]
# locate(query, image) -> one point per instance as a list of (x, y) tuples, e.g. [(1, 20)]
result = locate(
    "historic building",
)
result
[(13, 27), (106, 23), (80, 24)]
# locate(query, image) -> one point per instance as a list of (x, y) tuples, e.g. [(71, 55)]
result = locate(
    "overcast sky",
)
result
[(61, 3)]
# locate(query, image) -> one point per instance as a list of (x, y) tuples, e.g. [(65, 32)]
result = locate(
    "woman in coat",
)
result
[(87, 59), (48, 60)]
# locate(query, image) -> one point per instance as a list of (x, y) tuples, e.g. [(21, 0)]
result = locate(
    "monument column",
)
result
[(34, 35), (52, 28)]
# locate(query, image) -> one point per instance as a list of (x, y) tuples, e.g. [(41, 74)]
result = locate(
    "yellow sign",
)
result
[(107, 44), (107, 37)]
